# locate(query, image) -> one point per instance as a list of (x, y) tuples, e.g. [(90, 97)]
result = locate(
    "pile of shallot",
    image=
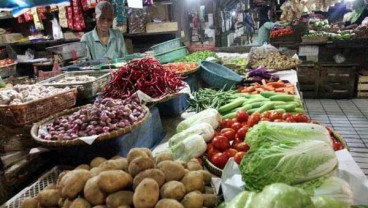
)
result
[(105, 115)]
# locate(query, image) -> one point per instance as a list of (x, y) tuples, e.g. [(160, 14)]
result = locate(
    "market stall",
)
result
[(238, 134)]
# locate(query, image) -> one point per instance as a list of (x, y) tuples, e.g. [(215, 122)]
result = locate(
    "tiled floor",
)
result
[(350, 119)]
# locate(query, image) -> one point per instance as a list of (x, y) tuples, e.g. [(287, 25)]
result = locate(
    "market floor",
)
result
[(347, 117)]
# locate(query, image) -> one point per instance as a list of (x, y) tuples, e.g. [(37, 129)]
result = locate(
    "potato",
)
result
[(207, 177), (80, 203), (137, 152), (193, 164), (116, 157), (120, 198), (29, 202), (60, 178), (155, 174), (93, 193), (193, 181), (67, 202), (116, 164), (173, 171), (168, 203), (172, 190), (140, 164), (100, 206), (124, 206), (162, 156), (96, 171), (209, 200), (73, 182), (146, 194), (114, 180), (208, 190), (97, 161), (193, 200), (82, 166), (48, 198)]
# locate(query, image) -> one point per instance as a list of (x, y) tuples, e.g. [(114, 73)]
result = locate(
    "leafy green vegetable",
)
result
[(332, 186), (271, 132), (203, 129), (210, 116), (328, 202), (191, 147), (277, 195), (289, 162), (198, 56)]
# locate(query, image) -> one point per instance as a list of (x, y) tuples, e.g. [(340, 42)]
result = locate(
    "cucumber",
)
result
[(279, 102), (243, 107), (299, 110), (252, 110), (229, 115), (245, 95), (288, 107), (257, 104), (280, 110), (296, 103), (268, 94), (255, 100), (285, 98), (232, 105), (266, 107)]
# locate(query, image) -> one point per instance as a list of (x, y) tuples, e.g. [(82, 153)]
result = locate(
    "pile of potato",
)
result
[(139, 181)]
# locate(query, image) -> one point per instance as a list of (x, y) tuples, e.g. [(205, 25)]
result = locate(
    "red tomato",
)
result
[(286, 115), (236, 126), (242, 132), (211, 150), (290, 119), (237, 140), (275, 115), (9, 61), (221, 143), (336, 144), (219, 160), (228, 132), (223, 124), (241, 116), (241, 147), (265, 119), (239, 156), (229, 122), (266, 114), (231, 152), (279, 120), (253, 119)]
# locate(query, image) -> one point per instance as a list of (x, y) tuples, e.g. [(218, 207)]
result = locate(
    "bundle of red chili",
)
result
[(146, 75)]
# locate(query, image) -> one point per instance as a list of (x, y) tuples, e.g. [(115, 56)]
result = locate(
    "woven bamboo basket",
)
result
[(211, 167), (77, 141), (33, 111)]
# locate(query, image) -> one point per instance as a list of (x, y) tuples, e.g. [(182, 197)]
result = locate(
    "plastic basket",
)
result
[(8, 70), (218, 76), (45, 180), (86, 90), (172, 55), (70, 51), (166, 46), (200, 47), (33, 111)]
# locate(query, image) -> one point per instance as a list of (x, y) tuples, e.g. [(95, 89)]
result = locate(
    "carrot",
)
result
[(276, 84), (264, 82)]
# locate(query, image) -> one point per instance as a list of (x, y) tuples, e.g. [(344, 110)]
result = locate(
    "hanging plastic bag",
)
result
[(57, 33)]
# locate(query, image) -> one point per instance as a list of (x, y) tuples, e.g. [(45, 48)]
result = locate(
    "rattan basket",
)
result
[(318, 39), (74, 142), (86, 90), (30, 112), (8, 70), (211, 167)]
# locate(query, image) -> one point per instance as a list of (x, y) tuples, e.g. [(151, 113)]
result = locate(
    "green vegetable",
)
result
[(198, 56), (285, 98), (272, 132), (210, 116), (2, 83), (289, 162), (328, 202), (243, 107), (279, 110), (298, 110), (257, 104), (229, 115), (255, 100), (208, 98), (268, 94), (288, 107), (252, 110), (265, 107), (230, 106), (333, 187), (191, 147), (277, 195), (203, 129)]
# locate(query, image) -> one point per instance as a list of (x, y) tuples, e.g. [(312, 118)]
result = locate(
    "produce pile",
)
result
[(276, 61), (146, 75), (75, 79), (105, 115), (6, 62), (139, 180), (259, 74), (237, 64), (281, 32), (343, 35), (198, 56), (180, 68), (20, 94), (279, 86), (361, 31)]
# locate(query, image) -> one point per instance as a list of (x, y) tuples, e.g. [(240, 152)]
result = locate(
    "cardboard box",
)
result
[(153, 27), (10, 38)]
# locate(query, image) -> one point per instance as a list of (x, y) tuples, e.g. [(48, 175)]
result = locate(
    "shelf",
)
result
[(40, 43), (6, 17), (148, 34)]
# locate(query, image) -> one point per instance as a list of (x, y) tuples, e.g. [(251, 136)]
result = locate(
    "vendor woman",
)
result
[(103, 41)]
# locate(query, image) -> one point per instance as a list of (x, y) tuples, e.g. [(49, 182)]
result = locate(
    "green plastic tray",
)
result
[(172, 55), (166, 46)]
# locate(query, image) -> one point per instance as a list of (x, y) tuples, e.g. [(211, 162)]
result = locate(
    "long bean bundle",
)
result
[(209, 98)]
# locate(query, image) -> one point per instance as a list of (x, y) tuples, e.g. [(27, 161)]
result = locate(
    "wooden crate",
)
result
[(308, 78), (362, 87), (337, 81)]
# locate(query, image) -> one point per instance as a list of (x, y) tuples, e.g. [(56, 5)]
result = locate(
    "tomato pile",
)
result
[(180, 67), (336, 144), (229, 140), (5, 62), (281, 32)]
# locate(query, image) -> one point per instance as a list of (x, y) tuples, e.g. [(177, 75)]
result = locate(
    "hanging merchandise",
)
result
[(147, 2), (120, 14), (62, 17), (70, 17), (57, 33), (75, 16), (38, 24), (20, 19), (28, 16), (137, 20)]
